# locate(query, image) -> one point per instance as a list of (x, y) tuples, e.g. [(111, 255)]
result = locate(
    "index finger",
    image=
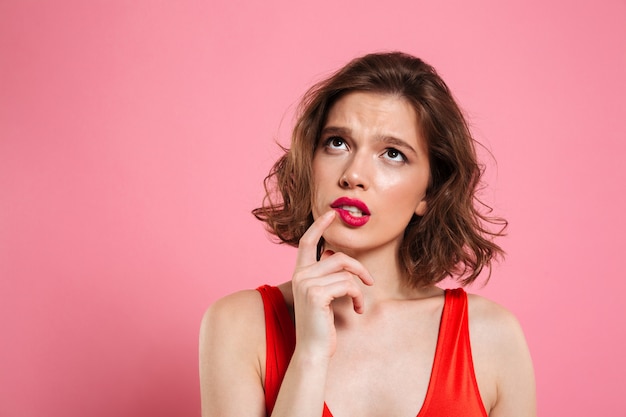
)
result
[(307, 247)]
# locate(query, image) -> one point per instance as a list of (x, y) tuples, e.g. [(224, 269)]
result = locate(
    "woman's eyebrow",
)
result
[(333, 130), (391, 140)]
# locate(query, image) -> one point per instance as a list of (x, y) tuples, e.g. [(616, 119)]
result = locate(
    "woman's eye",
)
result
[(336, 143), (395, 155)]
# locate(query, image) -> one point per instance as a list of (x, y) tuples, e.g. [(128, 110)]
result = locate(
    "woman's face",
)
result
[(371, 166)]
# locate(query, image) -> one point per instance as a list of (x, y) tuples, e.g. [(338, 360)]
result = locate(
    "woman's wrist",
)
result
[(305, 358)]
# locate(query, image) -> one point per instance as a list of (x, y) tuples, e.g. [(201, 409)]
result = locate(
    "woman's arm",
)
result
[(232, 337), (502, 360), (315, 285), (516, 379), (232, 343)]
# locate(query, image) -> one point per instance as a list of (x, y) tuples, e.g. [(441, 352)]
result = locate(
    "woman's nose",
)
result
[(356, 173)]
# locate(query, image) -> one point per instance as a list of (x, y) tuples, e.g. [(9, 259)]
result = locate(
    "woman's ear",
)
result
[(420, 210)]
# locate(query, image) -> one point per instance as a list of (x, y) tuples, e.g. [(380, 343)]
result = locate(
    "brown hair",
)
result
[(452, 238)]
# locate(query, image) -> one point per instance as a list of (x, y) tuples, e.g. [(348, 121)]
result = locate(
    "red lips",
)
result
[(352, 212)]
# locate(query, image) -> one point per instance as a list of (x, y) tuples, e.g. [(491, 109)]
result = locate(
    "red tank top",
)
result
[(452, 389)]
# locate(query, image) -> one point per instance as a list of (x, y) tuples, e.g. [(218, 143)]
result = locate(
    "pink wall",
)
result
[(134, 137)]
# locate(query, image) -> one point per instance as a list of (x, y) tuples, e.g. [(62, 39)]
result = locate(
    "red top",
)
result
[(452, 390)]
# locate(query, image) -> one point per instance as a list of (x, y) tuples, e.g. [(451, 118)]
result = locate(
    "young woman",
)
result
[(377, 191)]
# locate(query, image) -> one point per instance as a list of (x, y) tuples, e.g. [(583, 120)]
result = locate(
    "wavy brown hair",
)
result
[(454, 237)]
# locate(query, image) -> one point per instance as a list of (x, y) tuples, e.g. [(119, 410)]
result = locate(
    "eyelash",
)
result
[(394, 150), (328, 143)]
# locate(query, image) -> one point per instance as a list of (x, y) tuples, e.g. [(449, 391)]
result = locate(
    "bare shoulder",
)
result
[(235, 321), (232, 352), (491, 320), (502, 361), (242, 308)]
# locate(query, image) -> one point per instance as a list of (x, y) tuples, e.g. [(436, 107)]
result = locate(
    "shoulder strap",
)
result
[(280, 336), (455, 391)]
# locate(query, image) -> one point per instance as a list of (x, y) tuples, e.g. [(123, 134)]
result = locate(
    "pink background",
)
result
[(134, 137)]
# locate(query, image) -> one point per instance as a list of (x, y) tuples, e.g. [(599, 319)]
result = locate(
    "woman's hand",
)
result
[(316, 284)]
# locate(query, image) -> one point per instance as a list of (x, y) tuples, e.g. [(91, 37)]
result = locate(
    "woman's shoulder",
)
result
[(230, 321), (502, 361), (489, 315), (240, 309), (494, 329), (232, 342)]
